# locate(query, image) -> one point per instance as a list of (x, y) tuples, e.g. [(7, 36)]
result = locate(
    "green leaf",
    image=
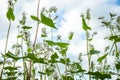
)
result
[(100, 59), (50, 43), (10, 14), (63, 61), (10, 55), (10, 68), (114, 38), (26, 27), (63, 51), (76, 68), (117, 65), (32, 57), (99, 75), (35, 18), (54, 57), (47, 21), (84, 25), (70, 36), (62, 44), (20, 36), (94, 52)]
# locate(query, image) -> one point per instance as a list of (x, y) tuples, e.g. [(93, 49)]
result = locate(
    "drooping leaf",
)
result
[(47, 21), (84, 25), (10, 55), (99, 75), (26, 27), (10, 14), (100, 59), (35, 18)]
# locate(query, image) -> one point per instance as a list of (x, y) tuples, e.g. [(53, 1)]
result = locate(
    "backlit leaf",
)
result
[(84, 25), (34, 18), (10, 14), (100, 59), (47, 21)]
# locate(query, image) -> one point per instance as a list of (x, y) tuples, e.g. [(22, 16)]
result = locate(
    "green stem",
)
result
[(6, 44), (31, 65), (89, 56)]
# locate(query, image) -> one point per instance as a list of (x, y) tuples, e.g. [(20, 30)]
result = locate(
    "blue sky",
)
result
[(118, 2)]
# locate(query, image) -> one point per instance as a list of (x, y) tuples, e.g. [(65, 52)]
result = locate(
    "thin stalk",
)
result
[(6, 44), (35, 39), (87, 49)]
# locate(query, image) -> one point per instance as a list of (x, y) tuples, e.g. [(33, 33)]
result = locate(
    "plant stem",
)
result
[(89, 56), (31, 65), (6, 44)]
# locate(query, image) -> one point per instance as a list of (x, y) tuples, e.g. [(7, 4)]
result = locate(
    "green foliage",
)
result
[(45, 56), (100, 59), (99, 75), (84, 25), (35, 18), (47, 21), (10, 55), (10, 14)]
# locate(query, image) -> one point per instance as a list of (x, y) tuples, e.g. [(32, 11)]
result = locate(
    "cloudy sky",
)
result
[(69, 12), (70, 20)]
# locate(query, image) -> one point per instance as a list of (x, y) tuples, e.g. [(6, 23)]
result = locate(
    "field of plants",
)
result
[(46, 56)]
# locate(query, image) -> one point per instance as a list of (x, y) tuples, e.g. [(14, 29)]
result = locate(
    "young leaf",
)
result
[(84, 25), (100, 59), (10, 14), (35, 18), (47, 21)]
